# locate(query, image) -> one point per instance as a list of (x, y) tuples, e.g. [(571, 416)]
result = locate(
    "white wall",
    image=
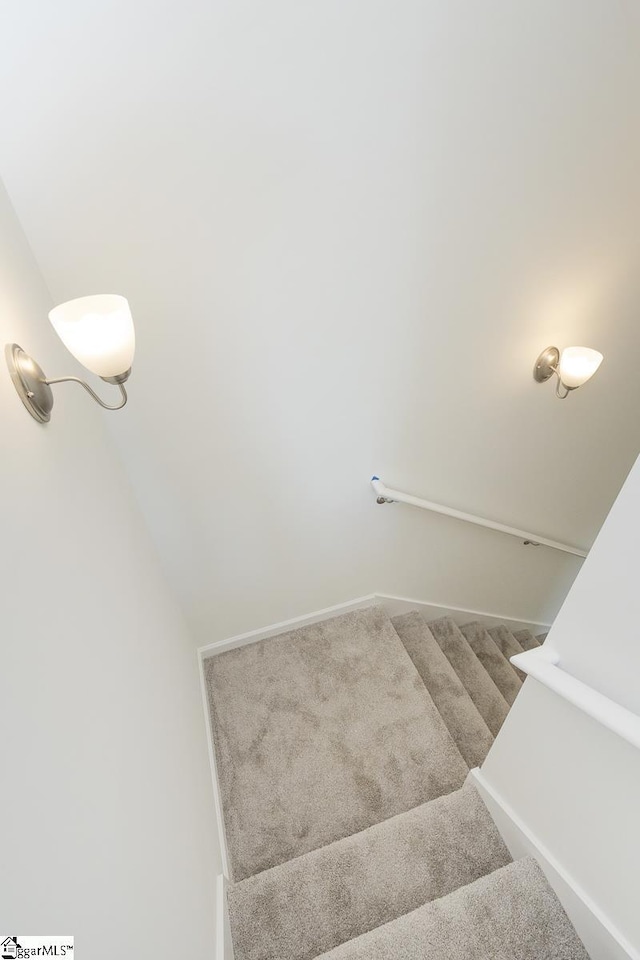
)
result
[(575, 784), (346, 230), (595, 632), (107, 822)]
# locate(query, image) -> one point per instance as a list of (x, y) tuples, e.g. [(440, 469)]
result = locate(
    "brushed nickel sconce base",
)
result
[(546, 364), (30, 381), (34, 388)]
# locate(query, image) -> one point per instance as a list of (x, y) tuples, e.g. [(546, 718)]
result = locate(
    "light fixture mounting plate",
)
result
[(546, 364), (30, 382)]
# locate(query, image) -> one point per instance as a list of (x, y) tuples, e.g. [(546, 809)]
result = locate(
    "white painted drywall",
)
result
[(107, 820), (575, 784), (595, 633), (346, 230)]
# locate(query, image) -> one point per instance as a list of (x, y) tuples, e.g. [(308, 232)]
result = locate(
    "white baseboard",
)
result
[(432, 611), (215, 784), (262, 633), (599, 935), (224, 945), (393, 605)]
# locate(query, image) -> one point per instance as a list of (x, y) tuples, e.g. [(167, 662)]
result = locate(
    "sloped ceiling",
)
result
[(346, 229)]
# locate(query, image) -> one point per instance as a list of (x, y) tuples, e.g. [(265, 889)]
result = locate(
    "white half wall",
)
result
[(573, 783), (107, 829), (596, 633), (601, 938)]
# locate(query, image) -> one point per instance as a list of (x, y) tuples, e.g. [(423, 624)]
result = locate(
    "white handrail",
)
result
[(543, 665), (386, 495)]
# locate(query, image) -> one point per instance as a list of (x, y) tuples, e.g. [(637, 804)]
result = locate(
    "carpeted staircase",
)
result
[(342, 752)]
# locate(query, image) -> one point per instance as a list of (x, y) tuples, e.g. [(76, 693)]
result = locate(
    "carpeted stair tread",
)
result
[(511, 914), (541, 637), (465, 724), (491, 705), (309, 905), (319, 733), (493, 660), (508, 645), (526, 639)]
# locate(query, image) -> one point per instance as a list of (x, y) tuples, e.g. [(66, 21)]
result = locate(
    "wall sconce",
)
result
[(573, 367), (97, 331)]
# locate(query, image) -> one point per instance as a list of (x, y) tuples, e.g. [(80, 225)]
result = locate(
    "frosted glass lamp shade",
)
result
[(98, 331), (577, 365)]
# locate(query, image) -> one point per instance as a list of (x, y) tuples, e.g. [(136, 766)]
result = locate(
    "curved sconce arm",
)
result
[(34, 388), (106, 406)]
